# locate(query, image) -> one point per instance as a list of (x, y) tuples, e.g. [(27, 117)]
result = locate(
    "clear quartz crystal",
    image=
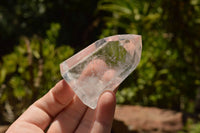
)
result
[(102, 66)]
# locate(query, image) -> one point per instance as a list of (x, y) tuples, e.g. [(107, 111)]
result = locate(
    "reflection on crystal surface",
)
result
[(102, 66)]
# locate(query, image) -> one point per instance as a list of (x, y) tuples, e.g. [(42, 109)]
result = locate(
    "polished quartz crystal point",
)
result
[(102, 66)]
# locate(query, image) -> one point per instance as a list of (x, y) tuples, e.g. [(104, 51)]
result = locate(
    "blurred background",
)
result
[(37, 35)]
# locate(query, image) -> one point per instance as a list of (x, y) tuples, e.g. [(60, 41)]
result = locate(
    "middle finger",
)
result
[(69, 118)]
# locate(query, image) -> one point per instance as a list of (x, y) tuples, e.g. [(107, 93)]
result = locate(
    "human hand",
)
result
[(61, 111)]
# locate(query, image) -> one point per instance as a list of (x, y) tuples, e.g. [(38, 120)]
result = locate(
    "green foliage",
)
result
[(195, 128), (191, 127), (22, 17), (31, 70), (167, 75), (130, 16)]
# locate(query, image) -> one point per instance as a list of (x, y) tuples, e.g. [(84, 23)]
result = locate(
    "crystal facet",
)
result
[(101, 66)]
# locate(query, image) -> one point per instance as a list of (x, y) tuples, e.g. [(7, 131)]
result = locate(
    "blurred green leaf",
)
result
[(31, 69), (2, 75), (169, 65)]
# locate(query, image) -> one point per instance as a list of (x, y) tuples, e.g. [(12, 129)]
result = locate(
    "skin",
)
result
[(61, 111)]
